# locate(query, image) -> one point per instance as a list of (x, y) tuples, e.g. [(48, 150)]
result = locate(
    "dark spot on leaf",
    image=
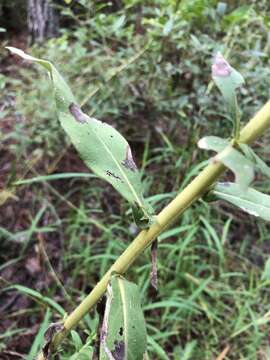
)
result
[(100, 332), (128, 162), (121, 331), (119, 350), (109, 173), (153, 275), (111, 136), (78, 114), (53, 329)]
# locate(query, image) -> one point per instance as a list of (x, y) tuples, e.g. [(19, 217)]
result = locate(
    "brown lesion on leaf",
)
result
[(128, 162), (111, 174), (221, 67), (78, 114), (51, 332), (153, 276), (119, 350)]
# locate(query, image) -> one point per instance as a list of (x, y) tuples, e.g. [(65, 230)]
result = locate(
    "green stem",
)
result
[(253, 130), (236, 120)]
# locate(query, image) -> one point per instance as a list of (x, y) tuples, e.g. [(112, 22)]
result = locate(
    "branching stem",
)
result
[(199, 185)]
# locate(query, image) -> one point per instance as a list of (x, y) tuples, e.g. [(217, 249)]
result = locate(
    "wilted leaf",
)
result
[(231, 158), (102, 147), (226, 78), (51, 332), (252, 201), (123, 335)]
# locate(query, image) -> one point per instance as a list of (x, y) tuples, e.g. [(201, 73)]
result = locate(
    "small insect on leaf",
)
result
[(123, 333), (242, 167), (252, 201), (102, 147)]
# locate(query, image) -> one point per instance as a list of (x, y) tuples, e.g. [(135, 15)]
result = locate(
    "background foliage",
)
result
[(213, 269)]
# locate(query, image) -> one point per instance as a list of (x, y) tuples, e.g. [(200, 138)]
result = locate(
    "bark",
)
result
[(42, 20)]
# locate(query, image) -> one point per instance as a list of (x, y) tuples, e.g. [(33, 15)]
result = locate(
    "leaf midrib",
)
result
[(121, 171), (124, 306)]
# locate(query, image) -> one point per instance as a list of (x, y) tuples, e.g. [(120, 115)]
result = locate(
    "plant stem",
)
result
[(236, 119), (253, 130)]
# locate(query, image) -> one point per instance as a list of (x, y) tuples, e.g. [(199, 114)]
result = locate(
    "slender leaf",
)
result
[(37, 296), (123, 330), (44, 178), (103, 148), (39, 338), (259, 163), (252, 201), (157, 349), (231, 158)]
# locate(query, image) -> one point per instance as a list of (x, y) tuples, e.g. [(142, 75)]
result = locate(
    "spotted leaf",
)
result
[(123, 334), (101, 146)]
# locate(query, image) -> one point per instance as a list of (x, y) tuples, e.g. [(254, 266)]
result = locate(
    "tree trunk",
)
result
[(42, 20)]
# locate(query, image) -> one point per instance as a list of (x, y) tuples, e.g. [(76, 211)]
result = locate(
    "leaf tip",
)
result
[(202, 144), (18, 52)]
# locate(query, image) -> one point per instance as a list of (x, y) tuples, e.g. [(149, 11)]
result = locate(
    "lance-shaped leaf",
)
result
[(123, 334), (103, 148), (227, 79), (231, 158), (251, 201), (258, 162)]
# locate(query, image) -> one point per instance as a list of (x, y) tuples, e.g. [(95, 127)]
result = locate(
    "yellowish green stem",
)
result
[(252, 131)]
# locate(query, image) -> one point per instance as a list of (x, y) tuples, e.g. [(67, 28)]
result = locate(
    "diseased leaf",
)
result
[(51, 332), (227, 79), (154, 275), (230, 157), (123, 335), (102, 148), (252, 201)]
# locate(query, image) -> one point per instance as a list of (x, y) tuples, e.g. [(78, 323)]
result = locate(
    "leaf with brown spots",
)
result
[(103, 148), (123, 334)]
